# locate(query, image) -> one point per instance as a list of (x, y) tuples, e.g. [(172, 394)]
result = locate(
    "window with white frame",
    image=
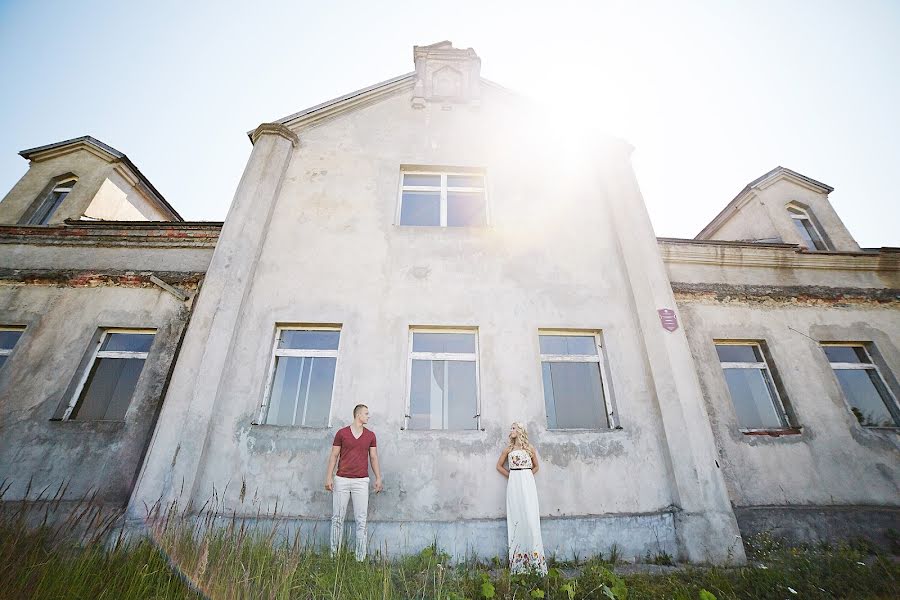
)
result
[(753, 393), (869, 398), (576, 395), (811, 237), (443, 379), (107, 384), (48, 205), (9, 335), (442, 199), (301, 377)]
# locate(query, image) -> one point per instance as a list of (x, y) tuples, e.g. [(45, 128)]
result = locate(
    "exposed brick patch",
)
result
[(803, 295), (86, 278)]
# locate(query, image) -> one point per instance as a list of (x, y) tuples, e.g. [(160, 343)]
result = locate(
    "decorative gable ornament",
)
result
[(446, 75)]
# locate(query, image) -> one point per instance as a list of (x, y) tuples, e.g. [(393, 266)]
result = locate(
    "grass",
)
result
[(87, 557)]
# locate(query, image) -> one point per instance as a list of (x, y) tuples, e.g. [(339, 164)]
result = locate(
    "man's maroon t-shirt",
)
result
[(354, 460)]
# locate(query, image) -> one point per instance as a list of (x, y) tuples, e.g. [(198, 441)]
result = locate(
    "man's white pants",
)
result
[(346, 488)]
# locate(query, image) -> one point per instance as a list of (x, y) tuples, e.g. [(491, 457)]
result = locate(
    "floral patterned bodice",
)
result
[(519, 459)]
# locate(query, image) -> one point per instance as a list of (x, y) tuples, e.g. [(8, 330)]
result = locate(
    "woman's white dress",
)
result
[(523, 518)]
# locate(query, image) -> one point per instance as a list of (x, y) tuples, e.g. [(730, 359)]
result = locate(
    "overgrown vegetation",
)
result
[(86, 557)]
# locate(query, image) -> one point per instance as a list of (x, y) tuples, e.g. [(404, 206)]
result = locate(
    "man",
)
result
[(355, 446)]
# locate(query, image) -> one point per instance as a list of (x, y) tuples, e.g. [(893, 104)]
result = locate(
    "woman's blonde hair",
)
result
[(521, 439)]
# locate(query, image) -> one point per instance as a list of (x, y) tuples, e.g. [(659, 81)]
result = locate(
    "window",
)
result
[(301, 379), (442, 199), (808, 232), (756, 401), (51, 202), (869, 398), (575, 393), (8, 338), (443, 380), (106, 388)]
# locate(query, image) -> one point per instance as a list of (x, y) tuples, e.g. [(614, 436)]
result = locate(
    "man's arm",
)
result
[(332, 462), (376, 468)]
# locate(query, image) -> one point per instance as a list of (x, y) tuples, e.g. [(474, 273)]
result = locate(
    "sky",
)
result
[(712, 94)]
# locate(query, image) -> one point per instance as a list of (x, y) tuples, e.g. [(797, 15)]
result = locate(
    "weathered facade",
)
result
[(428, 210)]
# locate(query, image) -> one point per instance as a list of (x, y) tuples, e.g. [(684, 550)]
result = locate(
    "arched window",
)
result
[(811, 237), (51, 202)]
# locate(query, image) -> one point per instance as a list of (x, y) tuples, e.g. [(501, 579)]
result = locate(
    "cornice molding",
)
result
[(777, 257), (275, 129)]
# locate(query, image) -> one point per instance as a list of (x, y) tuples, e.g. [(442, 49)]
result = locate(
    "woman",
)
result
[(523, 519)]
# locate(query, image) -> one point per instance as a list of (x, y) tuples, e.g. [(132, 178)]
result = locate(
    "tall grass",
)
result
[(50, 549)]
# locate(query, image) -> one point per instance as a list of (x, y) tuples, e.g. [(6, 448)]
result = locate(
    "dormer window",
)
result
[(811, 237), (45, 209)]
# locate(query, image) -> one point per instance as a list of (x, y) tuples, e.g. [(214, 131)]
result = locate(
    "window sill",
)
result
[(773, 432), (881, 428), (290, 427), (443, 431), (96, 426), (586, 430)]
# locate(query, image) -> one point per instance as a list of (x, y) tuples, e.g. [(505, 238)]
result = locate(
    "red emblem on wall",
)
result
[(668, 319)]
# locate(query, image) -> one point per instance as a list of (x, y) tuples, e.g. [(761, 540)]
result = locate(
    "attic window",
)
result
[(442, 199), (809, 235), (47, 206)]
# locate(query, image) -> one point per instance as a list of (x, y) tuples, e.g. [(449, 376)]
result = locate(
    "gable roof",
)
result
[(361, 97), (104, 151), (760, 183)]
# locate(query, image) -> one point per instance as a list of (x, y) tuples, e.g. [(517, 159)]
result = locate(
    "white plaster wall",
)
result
[(60, 324), (834, 461), (751, 223), (118, 200), (333, 255)]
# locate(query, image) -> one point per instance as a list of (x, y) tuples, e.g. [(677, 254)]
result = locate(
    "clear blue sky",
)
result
[(711, 94)]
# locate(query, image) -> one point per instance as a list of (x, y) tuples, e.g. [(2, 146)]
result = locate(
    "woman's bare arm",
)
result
[(500, 467), (534, 461)]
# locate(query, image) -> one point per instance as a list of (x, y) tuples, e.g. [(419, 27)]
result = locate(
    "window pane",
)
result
[(308, 339), (318, 398), (301, 391), (108, 390), (46, 209), (415, 179), (442, 395), (291, 376), (421, 208), (465, 181), (127, 342), (461, 396), (738, 353), (751, 393), (426, 394), (444, 342), (8, 339), (465, 209), (863, 390), (809, 235), (846, 354), (574, 398), (568, 344)]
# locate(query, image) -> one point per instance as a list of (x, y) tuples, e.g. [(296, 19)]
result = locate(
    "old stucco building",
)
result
[(417, 246)]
